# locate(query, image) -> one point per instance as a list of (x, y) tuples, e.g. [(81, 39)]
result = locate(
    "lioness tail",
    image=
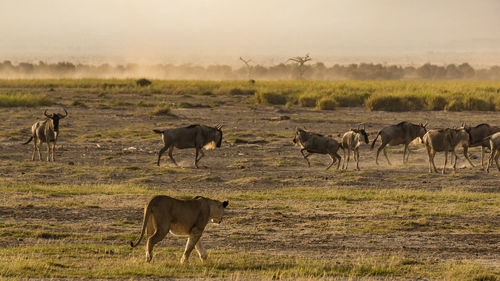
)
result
[(147, 212)]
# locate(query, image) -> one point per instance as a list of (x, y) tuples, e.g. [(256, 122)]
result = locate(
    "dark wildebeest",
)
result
[(143, 82), (193, 136), (402, 133), (479, 136), (46, 131), (316, 143), (447, 140), (351, 141), (494, 141)]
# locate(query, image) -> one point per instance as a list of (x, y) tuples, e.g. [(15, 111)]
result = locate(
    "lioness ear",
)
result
[(225, 203)]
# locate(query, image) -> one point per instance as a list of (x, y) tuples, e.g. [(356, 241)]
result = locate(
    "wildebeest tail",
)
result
[(375, 139), (28, 140), (158, 131)]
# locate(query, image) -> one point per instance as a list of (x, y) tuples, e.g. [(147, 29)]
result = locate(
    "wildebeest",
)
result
[(316, 143), (402, 133), (447, 140), (46, 131), (494, 141), (479, 136), (351, 141), (193, 136), (143, 82)]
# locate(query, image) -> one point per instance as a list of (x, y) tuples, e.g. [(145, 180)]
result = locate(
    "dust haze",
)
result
[(202, 32)]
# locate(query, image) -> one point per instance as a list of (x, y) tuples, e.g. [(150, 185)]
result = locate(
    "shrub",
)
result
[(162, 109), (79, 104), (473, 103), (241, 92), (351, 99), (455, 105), (270, 98), (414, 102), (307, 101), (436, 102), (327, 103), (387, 103), (27, 99)]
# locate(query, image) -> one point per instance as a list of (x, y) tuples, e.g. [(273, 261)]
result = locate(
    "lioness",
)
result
[(182, 218)]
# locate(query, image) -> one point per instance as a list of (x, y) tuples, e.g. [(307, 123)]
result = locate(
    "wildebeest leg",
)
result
[(339, 159), (497, 154), (404, 153), (382, 146), (196, 157), (53, 151), (429, 154), (466, 154), (333, 161), (305, 156), (445, 161), (48, 151), (455, 164), (192, 241), (385, 154), (160, 153), (34, 150), (482, 156), (155, 238), (201, 251), (357, 158), (348, 156), (39, 145), (170, 150)]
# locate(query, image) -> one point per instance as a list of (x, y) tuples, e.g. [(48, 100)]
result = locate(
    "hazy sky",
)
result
[(173, 29)]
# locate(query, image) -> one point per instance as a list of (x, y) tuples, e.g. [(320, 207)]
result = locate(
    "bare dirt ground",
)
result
[(114, 144)]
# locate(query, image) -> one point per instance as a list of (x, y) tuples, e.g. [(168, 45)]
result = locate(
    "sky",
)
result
[(190, 31)]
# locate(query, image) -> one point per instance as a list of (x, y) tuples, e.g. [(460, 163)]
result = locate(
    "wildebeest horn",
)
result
[(364, 126), (218, 126), (425, 125), (45, 113), (66, 113)]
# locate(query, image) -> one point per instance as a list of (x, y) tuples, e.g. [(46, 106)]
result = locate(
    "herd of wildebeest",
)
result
[(164, 214), (200, 136)]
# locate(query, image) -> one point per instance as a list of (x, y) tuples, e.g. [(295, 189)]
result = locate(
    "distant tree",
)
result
[(248, 66), (467, 70), (300, 61)]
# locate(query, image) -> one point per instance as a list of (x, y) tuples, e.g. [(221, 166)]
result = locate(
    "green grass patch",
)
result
[(24, 99)]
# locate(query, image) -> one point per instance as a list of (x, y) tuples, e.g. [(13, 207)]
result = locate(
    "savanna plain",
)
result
[(74, 218)]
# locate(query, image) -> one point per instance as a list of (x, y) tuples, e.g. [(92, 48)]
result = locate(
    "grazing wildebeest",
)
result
[(143, 82), (479, 136), (193, 136), (494, 141), (316, 143), (351, 141), (447, 140), (402, 133), (46, 131)]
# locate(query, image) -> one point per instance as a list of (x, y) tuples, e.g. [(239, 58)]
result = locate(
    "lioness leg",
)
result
[(191, 242), (158, 235), (201, 251)]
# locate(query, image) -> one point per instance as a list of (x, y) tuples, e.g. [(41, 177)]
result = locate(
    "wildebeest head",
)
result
[(55, 118), (299, 134), (218, 135), (422, 130), (362, 132)]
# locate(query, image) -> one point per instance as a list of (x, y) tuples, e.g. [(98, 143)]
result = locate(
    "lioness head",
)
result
[(217, 210)]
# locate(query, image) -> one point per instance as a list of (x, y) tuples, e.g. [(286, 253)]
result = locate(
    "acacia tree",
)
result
[(300, 61), (249, 67)]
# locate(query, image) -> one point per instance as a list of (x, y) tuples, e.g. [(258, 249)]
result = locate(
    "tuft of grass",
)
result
[(270, 98), (327, 103), (26, 99), (307, 100), (162, 109)]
